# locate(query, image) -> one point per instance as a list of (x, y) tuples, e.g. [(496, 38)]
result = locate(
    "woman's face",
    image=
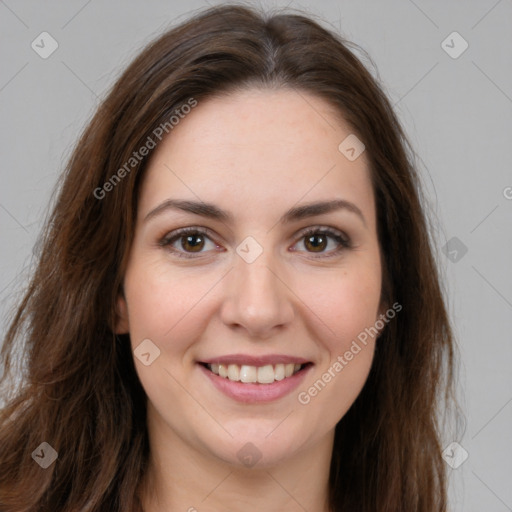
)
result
[(258, 289)]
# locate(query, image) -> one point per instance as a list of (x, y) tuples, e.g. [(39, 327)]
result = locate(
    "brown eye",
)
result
[(324, 241), (192, 243), (316, 242), (188, 242)]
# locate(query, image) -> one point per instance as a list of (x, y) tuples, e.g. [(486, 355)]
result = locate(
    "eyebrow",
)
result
[(292, 215)]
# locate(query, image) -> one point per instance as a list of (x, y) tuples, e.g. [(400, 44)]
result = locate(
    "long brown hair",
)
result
[(79, 391)]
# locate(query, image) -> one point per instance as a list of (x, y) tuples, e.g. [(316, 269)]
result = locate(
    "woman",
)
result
[(236, 304)]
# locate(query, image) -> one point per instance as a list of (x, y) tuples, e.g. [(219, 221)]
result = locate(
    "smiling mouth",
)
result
[(266, 374)]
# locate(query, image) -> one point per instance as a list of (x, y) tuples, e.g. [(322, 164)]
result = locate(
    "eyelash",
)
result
[(169, 239)]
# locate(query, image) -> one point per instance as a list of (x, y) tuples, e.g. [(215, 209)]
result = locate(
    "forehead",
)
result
[(263, 149)]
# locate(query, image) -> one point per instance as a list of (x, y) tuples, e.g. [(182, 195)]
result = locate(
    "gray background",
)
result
[(456, 111)]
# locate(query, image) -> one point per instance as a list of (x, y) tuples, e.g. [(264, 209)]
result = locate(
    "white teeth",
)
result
[(248, 374), (279, 373), (266, 374), (233, 372), (222, 370), (251, 374)]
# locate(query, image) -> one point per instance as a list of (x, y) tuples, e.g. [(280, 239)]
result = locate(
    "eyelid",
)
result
[(341, 238), (324, 229), (172, 236)]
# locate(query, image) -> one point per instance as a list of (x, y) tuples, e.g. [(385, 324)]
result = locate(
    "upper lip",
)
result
[(245, 359)]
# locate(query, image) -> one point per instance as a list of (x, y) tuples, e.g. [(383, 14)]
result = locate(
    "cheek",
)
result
[(348, 308), (166, 306), (346, 302), (354, 309)]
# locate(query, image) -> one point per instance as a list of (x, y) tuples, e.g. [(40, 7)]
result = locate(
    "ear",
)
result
[(122, 322)]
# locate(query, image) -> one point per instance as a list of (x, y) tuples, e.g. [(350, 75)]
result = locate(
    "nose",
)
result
[(258, 298)]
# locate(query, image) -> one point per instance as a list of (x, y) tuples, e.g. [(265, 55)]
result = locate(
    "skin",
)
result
[(255, 153)]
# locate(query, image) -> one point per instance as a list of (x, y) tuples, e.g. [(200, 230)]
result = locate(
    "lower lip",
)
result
[(254, 392)]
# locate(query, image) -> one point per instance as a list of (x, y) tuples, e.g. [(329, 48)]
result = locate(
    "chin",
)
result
[(258, 448)]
